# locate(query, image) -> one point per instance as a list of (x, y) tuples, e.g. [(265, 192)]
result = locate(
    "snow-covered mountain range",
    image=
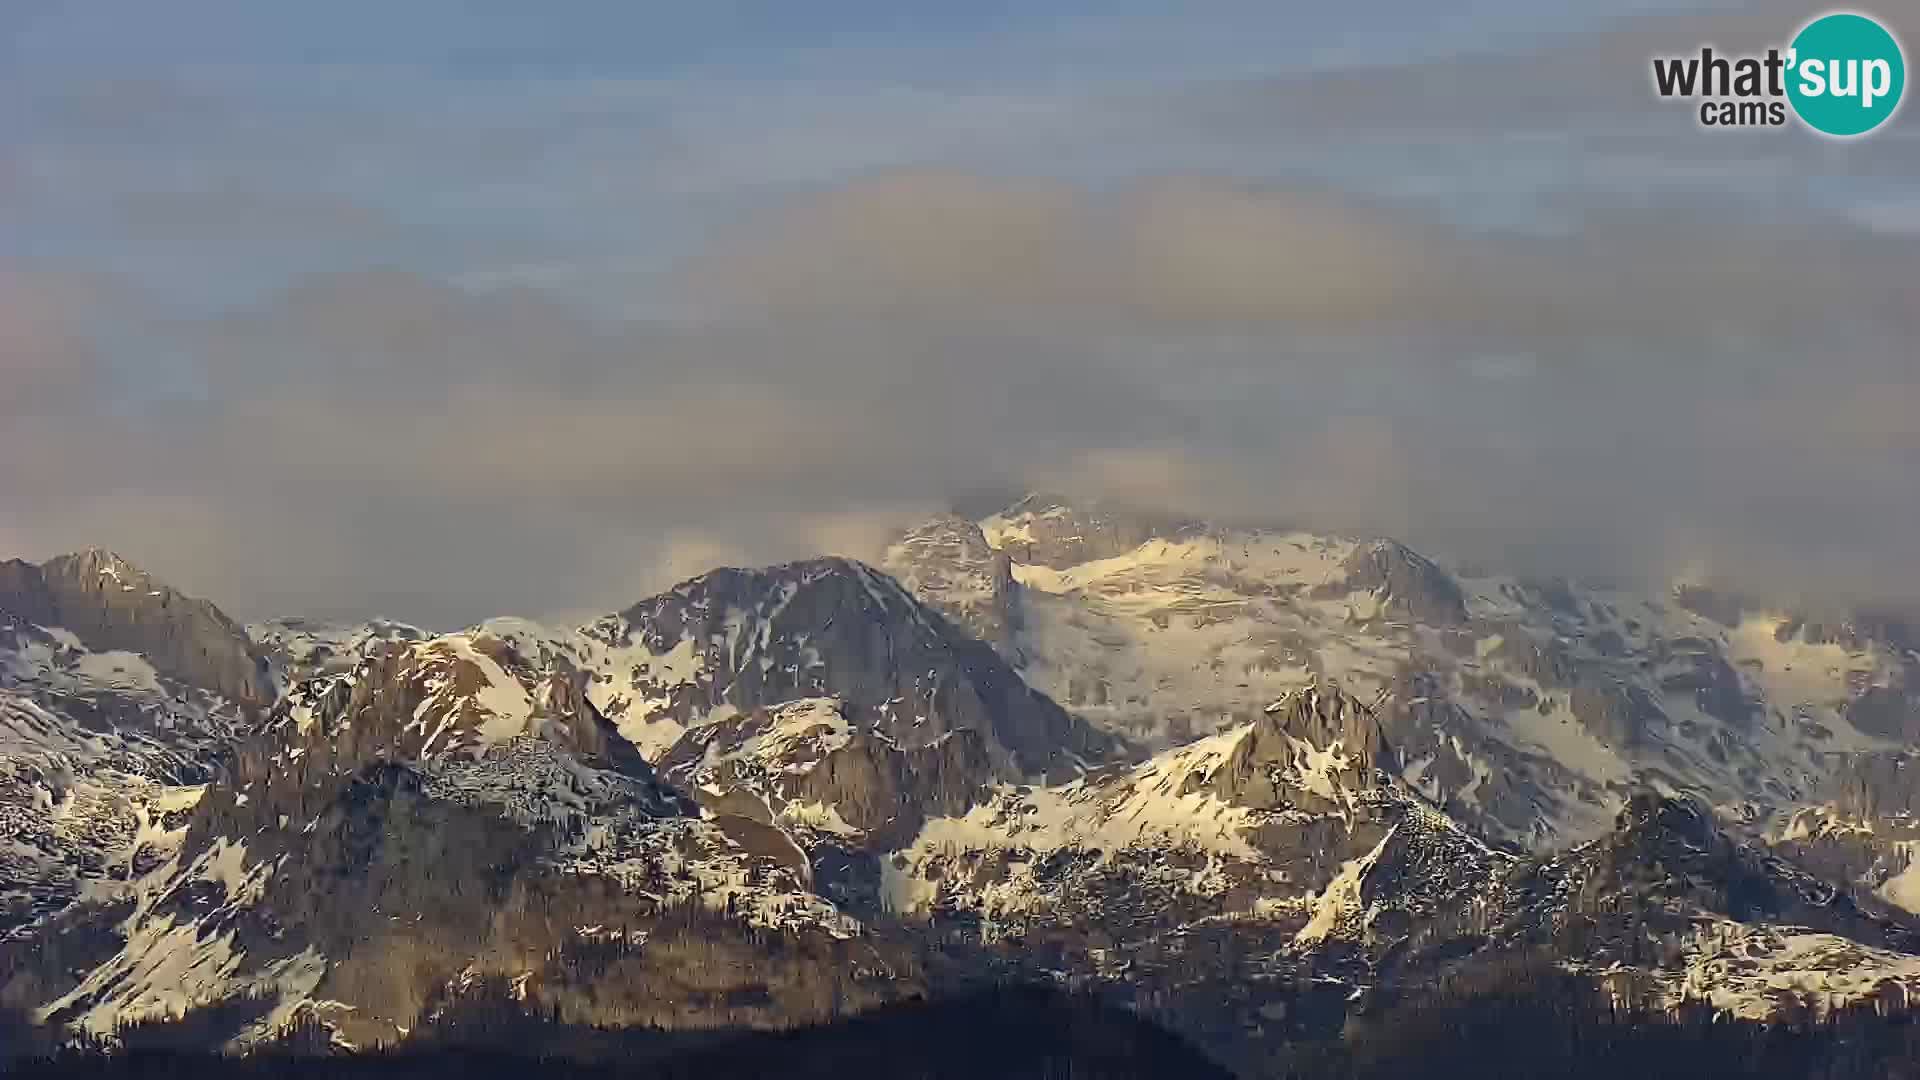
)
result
[(1208, 770), (1530, 709)]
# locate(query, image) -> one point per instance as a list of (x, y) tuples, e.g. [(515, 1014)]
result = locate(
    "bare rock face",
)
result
[(1408, 583), (835, 628), (1668, 854), (1048, 530), (1856, 631), (1890, 711), (119, 698), (109, 604), (1699, 667), (888, 792), (1867, 830), (948, 562), (454, 699), (824, 768), (454, 808), (1308, 747), (1888, 703), (1544, 660), (1878, 786), (1617, 713)]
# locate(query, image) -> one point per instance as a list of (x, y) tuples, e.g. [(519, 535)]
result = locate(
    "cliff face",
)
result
[(1308, 747), (824, 767), (833, 628), (1408, 584), (451, 810), (111, 605), (947, 562), (119, 698)]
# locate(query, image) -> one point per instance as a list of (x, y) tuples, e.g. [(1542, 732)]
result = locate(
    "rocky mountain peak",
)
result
[(481, 723), (1654, 817), (947, 561), (1878, 785), (1324, 715), (1407, 583), (98, 560), (837, 628), (1669, 853), (112, 605), (1317, 745), (101, 570)]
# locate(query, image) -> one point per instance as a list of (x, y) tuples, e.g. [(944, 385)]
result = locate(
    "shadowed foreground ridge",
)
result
[(1020, 1032), (1520, 1019)]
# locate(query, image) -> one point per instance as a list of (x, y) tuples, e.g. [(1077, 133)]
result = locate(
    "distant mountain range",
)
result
[(1246, 783)]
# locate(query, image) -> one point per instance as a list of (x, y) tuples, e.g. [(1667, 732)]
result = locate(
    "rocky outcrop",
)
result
[(823, 767), (1307, 748), (451, 809), (1889, 711), (1619, 714), (1867, 831), (109, 604), (393, 898), (1050, 530), (1407, 583), (948, 562), (835, 628), (1546, 661), (1878, 786), (888, 793), (1856, 631), (1667, 854), (119, 699), (1697, 667), (475, 704)]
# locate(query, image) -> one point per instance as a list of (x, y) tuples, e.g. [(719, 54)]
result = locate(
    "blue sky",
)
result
[(269, 272)]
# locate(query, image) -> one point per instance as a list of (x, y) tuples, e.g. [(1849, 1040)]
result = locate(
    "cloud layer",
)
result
[(436, 419)]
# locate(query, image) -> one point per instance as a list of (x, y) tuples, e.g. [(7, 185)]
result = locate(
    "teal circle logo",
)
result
[(1846, 74)]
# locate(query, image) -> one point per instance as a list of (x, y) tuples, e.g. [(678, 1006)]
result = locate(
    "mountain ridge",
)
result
[(1205, 773)]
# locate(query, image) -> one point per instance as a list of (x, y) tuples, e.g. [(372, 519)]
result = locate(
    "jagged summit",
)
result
[(948, 561), (110, 604), (103, 560), (1317, 744), (118, 698), (1406, 583), (708, 593), (830, 628), (113, 571), (1677, 818), (1670, 856), (1324, 715)]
